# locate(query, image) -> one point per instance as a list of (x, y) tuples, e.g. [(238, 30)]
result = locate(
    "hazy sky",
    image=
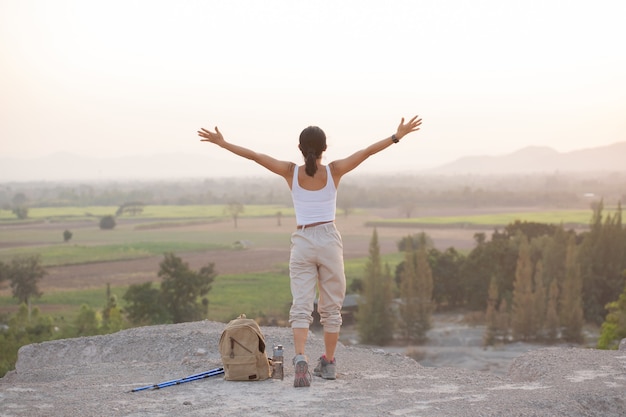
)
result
[(116, 78)]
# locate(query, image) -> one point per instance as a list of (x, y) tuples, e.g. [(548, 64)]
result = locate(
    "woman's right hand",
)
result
[(412, 125)]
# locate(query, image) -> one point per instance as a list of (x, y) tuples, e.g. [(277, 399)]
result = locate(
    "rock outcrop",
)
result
[(93, 376)]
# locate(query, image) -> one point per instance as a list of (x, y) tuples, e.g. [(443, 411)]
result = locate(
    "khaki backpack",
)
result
[(242, 348)]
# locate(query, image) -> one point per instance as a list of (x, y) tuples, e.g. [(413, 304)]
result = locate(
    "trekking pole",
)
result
[(195, 377)]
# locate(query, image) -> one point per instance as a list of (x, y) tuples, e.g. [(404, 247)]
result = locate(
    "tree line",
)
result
[(534, 282)]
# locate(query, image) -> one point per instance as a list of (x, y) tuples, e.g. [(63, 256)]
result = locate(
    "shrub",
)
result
[(107, 223)]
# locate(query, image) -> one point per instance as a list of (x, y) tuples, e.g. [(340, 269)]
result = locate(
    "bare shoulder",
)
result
[(335, 172)]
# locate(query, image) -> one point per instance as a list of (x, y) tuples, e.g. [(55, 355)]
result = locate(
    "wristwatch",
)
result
[(394, 138)]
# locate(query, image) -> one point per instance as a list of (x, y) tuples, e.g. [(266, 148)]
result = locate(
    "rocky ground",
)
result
[(94, 376)]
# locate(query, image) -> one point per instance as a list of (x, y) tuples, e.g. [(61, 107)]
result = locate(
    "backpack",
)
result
[(242, 348)]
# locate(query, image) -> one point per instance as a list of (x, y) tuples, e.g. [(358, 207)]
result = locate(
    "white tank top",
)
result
[(314, 206)]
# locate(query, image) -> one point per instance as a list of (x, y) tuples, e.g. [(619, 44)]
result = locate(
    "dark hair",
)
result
[(312, 144)]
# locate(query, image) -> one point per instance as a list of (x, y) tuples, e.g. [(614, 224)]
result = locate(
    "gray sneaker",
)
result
[(302, 376), (325, 368)]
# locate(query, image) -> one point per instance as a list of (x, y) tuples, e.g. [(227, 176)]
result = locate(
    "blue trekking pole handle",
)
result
[(195, 377)]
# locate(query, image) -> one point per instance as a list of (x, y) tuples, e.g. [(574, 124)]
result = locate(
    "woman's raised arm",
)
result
[(282, 168), (343, 166)]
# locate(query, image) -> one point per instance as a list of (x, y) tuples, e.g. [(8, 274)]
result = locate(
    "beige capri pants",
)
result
[(316, 259)]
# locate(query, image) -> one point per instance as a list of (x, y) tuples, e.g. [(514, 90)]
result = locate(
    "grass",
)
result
[(94, 213), (266, 294), (65, 305), (255, 294), (567, 217)]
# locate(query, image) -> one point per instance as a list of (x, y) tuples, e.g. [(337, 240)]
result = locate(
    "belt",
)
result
[(306, 226)]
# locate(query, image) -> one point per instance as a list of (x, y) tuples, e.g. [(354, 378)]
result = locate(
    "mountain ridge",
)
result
[(536, 159), (65, 166)]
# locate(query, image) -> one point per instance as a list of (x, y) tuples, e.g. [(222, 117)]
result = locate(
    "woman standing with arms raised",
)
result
[(316, 257)]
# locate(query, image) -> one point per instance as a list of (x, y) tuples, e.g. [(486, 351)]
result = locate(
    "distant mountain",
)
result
[(537, 159), (70, 167)]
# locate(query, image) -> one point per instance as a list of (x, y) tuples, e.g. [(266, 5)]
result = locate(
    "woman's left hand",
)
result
[(213, 137)]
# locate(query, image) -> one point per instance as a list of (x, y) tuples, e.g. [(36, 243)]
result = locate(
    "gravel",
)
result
[(94, 376)]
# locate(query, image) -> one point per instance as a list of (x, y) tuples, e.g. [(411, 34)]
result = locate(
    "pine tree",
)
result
[(522, 314), (503, 319), (374, 318), (602, 258), (408, 295), (424, 282), (416, 287), (571, 297), (491, 316), (552, 315), (539, 301)]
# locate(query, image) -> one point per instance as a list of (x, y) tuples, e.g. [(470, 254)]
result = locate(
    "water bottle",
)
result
[(277, 362)]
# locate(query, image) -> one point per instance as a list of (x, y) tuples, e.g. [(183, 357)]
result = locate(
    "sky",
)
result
[(139, 77)]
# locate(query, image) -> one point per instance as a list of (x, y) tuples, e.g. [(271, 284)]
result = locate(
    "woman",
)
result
[(316, 256)]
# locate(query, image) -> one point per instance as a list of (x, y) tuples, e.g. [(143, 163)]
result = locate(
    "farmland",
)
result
[(251, 259)]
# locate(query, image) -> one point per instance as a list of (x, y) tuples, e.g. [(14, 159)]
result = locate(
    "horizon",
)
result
[(69, 167), (117, 79)]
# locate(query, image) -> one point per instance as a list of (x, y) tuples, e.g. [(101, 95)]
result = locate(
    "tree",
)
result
[(495, 258), (107, 223), (424, 289), (132, 208), (613, 329), (87, 322), (446, 268), (234, 209), (375, 319), (503, 319), (25, 272), (539, 301), (571, 310), (23, 328), (491, 316), (4, 272), (407, 208), (416, 288), (19, 199), (408, 294), (602, 258), (552, 315), (112, 320), (522, 319), (67, 235), (182, 287), (530, 229), (144, 306), (21, 212), (415, 241)]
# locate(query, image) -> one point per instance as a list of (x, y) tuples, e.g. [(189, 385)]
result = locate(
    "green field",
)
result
[(149, 212), (78, 254), (565, 217)]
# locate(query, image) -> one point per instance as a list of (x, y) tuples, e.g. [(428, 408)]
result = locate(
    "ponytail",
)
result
[(312, 145), (310, 163)]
